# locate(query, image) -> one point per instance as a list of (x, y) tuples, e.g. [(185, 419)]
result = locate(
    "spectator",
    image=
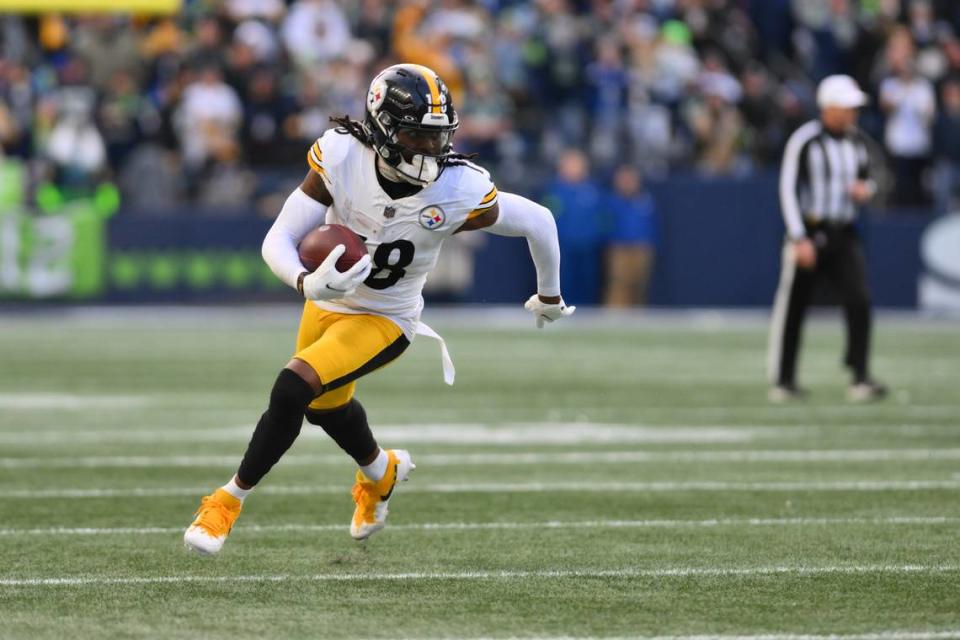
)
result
[(120, 109), (951, 53), (9, 129), (315, 31), (412, 44), (835, 40), (655, 81), (947, 136), (208, 45), (373, 24), (265, 111), (209, 116), (762, 117), (107, 45), (607, 79), (309, 118), (16, 98), (649, 122), (484, 120), (260, 38), (75, 146), (150, 180), (631, 241), (575, 200), (226, 182), (910, 104), (716, 124), (676, 63), (241, 62), (270, 11)]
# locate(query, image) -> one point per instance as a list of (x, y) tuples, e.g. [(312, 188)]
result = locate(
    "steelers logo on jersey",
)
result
[(432, 217)]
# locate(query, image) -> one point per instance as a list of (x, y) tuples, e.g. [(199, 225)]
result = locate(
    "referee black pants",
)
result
[(839, 262)]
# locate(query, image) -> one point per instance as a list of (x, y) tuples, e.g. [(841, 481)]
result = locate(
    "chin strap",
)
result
[(387, 171), (394, 174)]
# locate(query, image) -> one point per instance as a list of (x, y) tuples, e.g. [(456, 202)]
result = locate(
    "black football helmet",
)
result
[(411, 121)]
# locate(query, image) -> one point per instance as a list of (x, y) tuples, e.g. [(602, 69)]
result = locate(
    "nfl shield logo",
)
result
[(389, 212)]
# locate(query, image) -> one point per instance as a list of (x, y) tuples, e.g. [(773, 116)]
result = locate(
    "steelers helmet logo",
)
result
[(376, 95), (432, 217)]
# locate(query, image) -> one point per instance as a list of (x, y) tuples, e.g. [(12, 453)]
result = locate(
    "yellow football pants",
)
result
[(342, 347)]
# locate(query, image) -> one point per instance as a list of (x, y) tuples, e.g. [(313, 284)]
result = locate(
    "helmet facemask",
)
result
[(411, 122), (416, 152)]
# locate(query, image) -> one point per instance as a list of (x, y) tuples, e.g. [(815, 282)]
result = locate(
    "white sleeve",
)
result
[(521, 217), (300, 215), (789, 171)]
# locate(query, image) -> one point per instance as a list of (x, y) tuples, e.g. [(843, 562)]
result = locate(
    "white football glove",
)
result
[(326, 283), (547, 312)]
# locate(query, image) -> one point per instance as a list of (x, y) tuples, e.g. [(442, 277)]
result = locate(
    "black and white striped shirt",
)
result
[(818, 170)]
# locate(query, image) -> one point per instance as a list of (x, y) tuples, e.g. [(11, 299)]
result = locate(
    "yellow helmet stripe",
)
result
[(431, 79)]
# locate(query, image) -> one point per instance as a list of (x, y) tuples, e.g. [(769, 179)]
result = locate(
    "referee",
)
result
[(824, 176)]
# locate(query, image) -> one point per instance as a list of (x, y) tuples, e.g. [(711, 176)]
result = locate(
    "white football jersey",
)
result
[(403, 236)]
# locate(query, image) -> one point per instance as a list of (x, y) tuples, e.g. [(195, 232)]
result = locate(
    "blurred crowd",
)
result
[(216, 105)]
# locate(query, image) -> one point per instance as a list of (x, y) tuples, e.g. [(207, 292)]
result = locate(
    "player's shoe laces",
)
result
[(215, 518), (371, 497)]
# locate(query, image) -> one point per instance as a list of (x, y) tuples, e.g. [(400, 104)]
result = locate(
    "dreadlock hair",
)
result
[(354, 128), (359, 131)]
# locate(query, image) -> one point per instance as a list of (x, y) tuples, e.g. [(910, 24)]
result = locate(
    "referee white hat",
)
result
[(840, 91)]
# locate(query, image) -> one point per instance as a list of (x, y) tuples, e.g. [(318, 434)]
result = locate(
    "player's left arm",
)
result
[(517, 216)]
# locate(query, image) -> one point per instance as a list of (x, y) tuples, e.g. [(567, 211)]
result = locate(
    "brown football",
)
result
[(317, 245)]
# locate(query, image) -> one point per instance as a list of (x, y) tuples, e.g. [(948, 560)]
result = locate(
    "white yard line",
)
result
[(496, 526), (513, 487), (644, 434), (673, 572), (28, 400), (558, 458), (879, 635), (492, 434), (449, 432)]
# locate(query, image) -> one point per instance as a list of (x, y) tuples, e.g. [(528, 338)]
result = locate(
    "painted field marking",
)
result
[(672, 572), (492, 433), (497, 526), (512, 487), (879, 635), (40, 401), (449, 433), (558, 458)]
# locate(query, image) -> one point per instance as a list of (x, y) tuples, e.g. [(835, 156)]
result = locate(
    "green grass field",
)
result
[(584, 481)]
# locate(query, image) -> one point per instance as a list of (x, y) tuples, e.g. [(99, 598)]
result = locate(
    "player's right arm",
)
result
[(314, 186), (304, 210)]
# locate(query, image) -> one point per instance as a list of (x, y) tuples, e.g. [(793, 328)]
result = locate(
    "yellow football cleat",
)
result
[(215, 518), (371, 497)]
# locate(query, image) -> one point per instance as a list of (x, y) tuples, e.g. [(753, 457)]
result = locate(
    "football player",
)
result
[(395, 180)]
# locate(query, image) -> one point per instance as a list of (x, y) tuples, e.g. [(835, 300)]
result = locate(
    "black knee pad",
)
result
[(278, 427), (290, 395), (348, 427)]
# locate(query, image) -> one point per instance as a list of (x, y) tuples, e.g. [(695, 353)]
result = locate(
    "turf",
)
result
[(596, 480)]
